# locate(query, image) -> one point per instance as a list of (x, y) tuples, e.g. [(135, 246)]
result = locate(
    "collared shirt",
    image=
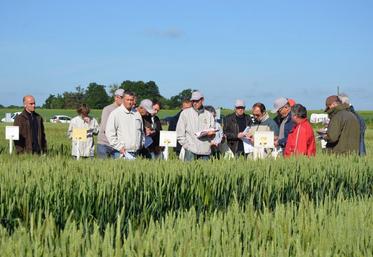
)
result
[(124, 128)]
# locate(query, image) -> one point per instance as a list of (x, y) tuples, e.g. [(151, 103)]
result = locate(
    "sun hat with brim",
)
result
[(196, 96), (147, 105), (279, 103)]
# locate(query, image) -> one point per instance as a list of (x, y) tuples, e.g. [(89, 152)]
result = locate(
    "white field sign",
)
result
[(167, 139), (11, 134)]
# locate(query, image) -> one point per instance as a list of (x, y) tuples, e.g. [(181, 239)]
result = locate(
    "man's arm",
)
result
[(181, 131), (334, 130), (111, 133)]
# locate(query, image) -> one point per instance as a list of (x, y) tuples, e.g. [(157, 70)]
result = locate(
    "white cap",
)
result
[(196, 95), (240, 103), (147, 105), (119, 92), (279, 103)]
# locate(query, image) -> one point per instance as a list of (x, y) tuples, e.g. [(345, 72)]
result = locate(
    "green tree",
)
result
[(74, 99), (143, 90), (96, 96), (175, 101), (54, 102)]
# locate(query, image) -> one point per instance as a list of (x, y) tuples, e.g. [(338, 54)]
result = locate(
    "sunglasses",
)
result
[(240, 107)]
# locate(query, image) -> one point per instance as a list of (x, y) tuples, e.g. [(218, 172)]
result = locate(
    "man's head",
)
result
[(118, 96), (258, 111), (83, 110), (156, 107), (185, 104), (145, 107), (197, 100), (128, 100), (281, 106), (29, 103), (298, 113), (211, 109), (332, 102), (239, 107)]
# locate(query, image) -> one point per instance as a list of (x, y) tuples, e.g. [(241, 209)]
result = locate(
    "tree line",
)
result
[(97, 96)]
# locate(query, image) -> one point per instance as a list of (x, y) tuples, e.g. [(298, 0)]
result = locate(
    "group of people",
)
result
[(128, 131)]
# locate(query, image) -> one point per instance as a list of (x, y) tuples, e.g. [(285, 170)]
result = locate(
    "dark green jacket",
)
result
[(343, 131)]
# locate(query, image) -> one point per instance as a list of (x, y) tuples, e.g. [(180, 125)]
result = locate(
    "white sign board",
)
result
[(319, 118), (264, 139), (12, 132), (167, 138)]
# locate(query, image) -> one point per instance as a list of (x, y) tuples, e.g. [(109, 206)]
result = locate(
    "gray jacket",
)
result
[(191, 122), (101, 138), (125, 129)]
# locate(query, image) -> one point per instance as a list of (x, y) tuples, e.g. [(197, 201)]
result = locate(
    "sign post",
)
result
[(262, 140), (79, 135), (11, 134), (167, 139)]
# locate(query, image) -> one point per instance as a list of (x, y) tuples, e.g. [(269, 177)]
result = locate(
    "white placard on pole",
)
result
[(264, 139), (79, 135), (167, 139), (11, 134)]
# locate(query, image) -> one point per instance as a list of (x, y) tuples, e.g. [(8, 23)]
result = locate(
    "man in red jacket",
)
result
[(301, 139)]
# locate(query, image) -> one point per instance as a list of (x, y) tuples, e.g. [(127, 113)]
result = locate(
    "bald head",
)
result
[(29, 103)]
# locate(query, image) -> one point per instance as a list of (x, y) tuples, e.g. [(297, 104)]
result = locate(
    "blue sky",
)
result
[(255, 50)]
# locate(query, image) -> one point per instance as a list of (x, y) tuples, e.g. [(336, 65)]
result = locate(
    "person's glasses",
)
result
[(240, 107)]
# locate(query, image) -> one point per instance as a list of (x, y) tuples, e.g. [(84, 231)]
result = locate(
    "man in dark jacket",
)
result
[(343, 135), (346, 100), (234, 126), (31, 129), (283, 119)]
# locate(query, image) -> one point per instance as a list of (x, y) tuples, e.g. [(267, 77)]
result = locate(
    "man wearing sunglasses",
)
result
[(234, 126)]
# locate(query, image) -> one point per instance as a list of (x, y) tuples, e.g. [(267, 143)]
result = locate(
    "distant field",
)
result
[(48, 113)]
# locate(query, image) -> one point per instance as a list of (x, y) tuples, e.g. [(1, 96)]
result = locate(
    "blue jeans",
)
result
[(105, 151), (190, 156)]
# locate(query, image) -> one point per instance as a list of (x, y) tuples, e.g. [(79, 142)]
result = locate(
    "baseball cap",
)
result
[(331, 99), (240, 103), (279, 103), (147, 105), (119, 92), (196, 95)]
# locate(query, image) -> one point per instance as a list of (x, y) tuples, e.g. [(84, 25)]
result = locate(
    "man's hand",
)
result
[(122, 151), (241, 135), (149, 131), (276, 142), (87, 119), (211, 134)]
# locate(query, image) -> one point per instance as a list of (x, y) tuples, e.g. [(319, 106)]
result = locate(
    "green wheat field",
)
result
[(53, 205)]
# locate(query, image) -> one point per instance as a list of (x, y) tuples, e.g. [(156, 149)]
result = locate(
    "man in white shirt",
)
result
[(191, 123), (124, 129)]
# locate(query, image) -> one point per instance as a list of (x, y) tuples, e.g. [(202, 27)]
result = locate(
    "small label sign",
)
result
[(12, 132)]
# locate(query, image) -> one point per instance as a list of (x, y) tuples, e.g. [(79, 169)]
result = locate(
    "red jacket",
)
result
[(301, 140)]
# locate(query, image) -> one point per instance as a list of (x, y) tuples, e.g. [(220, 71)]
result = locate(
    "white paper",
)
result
[(12, 132), (204, 132), (247, 146), (128, 156), (167, 138)]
